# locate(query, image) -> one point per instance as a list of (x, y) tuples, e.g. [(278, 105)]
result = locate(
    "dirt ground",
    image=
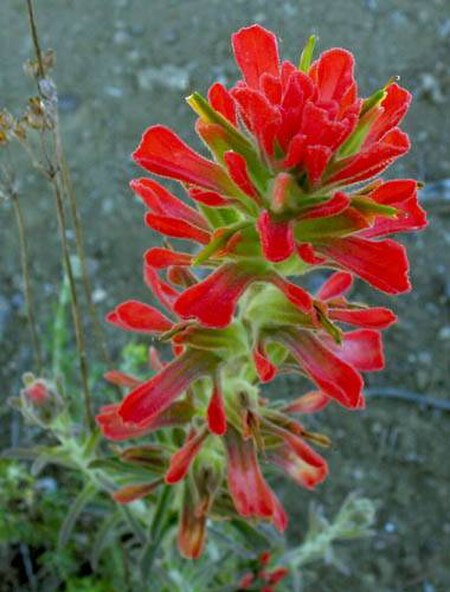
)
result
[(125, 64)]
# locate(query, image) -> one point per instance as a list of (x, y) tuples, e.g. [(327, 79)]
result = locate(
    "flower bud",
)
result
[(39, 401)]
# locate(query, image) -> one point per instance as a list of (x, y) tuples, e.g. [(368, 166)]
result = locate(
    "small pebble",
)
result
[(113, 91), (68, 103), (444, 333), (390, 527), (168, 76)]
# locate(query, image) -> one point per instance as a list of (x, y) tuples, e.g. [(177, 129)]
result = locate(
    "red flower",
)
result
[(279, 177), (292, 148), (251, 494)]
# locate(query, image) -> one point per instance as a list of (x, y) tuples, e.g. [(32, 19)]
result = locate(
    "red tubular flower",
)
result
[(131, 493), (216, 416), (338, 309), (138, 316), (312, 402), (335, 377), (299, 461), (182, 459), (192, 528), (153, 397), (251, 494), (115, 428)]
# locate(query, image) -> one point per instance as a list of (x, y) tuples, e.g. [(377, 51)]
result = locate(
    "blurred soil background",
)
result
[(123, 65)]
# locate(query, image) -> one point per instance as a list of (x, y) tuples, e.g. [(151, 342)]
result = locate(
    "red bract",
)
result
[(316, 136), (285, 190)]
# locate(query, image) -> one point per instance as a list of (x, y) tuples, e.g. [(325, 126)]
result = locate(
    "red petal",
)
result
[(336, 285), (251, 494), (208, 198), (213, 301), (306, 252), (277, 239), (161, 258), (401, 194), (137, 316), (302, 464), (115, 428), (335, 205), (261, 118), (363, 349), (192, 529), (393, 109), (279, 518), (264, 367), (222, 101), (153, 397), (162, 152), (383, 264), (271, 86), (183, 458), (237, 169), (217, 421), (370, 318), (131, 493), (154, 360), (177, 228), (310, 403), (163, 291), (315, 161), (121, 379), (298, 296), (164, 203), (334, 377), (256, 53), (373, 160), (333, 74), (277, 575)]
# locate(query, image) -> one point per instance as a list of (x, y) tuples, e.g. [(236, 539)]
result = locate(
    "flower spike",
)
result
[(291, 186)]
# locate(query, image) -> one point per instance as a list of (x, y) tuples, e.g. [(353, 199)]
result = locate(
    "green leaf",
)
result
[(314, 230), (353, 144), (374, 100), (236, 141), (218, 242), (368, 206), (106, 535), (253, 537), (80, 502), (307, 54)]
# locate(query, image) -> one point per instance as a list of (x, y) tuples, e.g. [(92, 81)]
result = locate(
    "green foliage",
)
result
[(87, 585)]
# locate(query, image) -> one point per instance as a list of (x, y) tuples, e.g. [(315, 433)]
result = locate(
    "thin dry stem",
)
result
[(27, 280), (26, 276), (76, 312), (35, 38), (54, 176), (79, 240), (69, 194)]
